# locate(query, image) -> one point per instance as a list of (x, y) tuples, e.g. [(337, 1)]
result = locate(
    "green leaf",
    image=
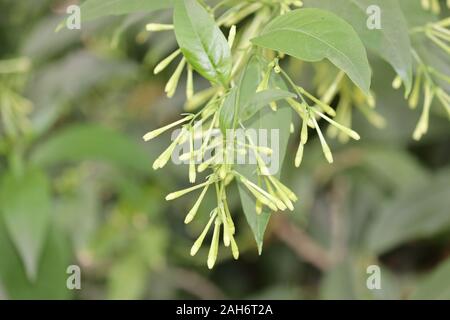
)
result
[(50, 282), (91, 142), (93, 9), (313, 35), (420, 213), (391, 42), (201, 41), (25, 205), (250, 102), (264, 119), (263, 99), (246, 89), (435, 286), (226, 116)]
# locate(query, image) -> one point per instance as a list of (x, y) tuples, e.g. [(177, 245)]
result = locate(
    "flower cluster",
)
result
[(333, 84), (205, 108), (275, 195), (309, 114)]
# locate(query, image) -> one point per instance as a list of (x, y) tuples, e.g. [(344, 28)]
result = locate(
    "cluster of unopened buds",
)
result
[(269, 191), (216, 153), (276, 196)]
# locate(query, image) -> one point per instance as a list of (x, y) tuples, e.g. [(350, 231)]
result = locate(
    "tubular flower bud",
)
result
[(422, 125), (163, 64), (172, 84), (415, 93), (234, 249), (153, 134), (325, 148), (397, 83), (192, 171), (191, 215), (214, 249), (177, 194), (154, 27), (299, 155), (226, 228), (291, 195), (162, 160), (347, 131), (190, 83), (326, 108), (232, 36), (198, 243)]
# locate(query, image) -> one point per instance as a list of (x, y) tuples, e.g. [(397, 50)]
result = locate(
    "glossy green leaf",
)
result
[(246, 90), (391, 41), (420, 213), (436, 285), (264, 119), (202, 42), (226, 116), (91, 142), (313, 35), (93, 9), (25, 205)]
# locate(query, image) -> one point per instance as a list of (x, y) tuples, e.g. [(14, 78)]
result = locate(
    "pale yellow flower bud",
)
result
[(177, 194), (154, 27), (190, 83), (198, 243), (191, 215), (414, 97), (214, 249), (163, 64), (234, 249), (422, 125), (153, 134), (172, 84), (232, 36), (397, 83), (325, 107), (347, 131), (291, 128), (325, 148), (425, 4), (299, 155)]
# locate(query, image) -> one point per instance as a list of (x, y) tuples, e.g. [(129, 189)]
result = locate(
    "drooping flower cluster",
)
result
[(213, 152)]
